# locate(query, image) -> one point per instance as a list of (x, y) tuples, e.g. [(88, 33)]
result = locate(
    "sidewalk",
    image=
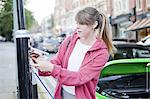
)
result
[(8, 78), (8, 75)]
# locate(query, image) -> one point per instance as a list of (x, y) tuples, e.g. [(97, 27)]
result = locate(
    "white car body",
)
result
[(145, 41)]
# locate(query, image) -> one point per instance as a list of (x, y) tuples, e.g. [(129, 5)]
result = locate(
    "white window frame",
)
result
[(148, 3), (138, 5), (121, 6)]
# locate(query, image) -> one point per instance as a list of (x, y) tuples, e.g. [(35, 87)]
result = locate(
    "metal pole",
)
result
[(15, 17), (15, 28), (34, 87), (20, 13), (25, 88), (24, 75), (134, 13)]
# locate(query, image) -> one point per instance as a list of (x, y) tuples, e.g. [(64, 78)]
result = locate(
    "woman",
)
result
[(80, 57)]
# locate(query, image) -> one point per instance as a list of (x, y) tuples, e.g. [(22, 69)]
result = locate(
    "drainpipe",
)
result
[(134, 13)]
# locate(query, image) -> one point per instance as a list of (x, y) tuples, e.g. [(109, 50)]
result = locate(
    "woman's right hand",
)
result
[(41, 63), (33, 56)]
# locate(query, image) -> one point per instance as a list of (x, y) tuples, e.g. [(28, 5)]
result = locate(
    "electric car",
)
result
[(124, 79)]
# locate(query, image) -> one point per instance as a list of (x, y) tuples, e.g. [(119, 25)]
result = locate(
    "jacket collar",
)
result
[(99, 43)]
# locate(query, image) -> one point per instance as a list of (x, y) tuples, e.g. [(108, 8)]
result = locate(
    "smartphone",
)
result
[(38, 52), (35, 53)]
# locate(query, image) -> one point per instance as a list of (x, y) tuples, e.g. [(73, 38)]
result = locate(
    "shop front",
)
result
[(119, 25), (141, 26)]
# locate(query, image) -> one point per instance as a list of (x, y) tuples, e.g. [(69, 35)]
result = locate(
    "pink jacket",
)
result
[(86, 79)]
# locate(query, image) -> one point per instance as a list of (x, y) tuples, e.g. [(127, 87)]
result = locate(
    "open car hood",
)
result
[(126, 66)]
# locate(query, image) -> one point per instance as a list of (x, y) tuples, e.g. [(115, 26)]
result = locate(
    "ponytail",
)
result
[(105, 33)]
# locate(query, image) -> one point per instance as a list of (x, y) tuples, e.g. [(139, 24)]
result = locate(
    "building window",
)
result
[(138, 5), (148, 3), (121, 7)]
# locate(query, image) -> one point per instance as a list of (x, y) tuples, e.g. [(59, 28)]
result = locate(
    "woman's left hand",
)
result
[(42, 64)]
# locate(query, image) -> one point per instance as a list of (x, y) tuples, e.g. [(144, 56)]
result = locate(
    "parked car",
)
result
[(2, 39), (36, 39), (145, 41), (49, 45), (126, 50), (125, 79), (61, 37)]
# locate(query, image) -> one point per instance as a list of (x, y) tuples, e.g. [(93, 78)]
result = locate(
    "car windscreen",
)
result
[(127, 51)]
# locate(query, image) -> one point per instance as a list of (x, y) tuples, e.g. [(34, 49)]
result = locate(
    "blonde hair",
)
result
[(89, 16)]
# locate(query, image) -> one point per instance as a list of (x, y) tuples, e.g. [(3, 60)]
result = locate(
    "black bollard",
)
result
[(24, 74)]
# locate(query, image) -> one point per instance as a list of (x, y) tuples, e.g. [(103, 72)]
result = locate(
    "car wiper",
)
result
[(115, 94)]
